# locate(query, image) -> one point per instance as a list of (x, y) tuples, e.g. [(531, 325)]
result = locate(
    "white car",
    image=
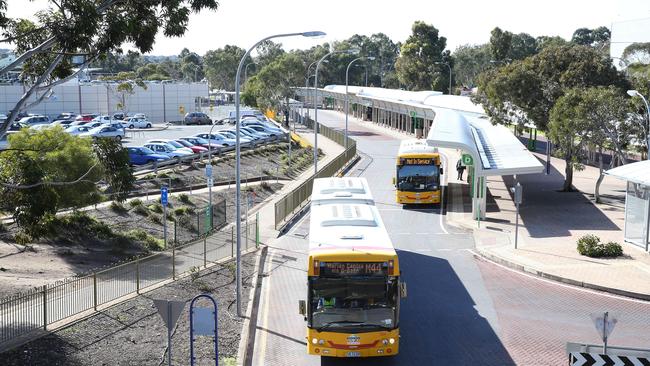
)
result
[(217, 139), (104, 131), (136, 122), (175, 144), (77, 130), (167, 149), (103, 119), (243, 139), (35, 120)]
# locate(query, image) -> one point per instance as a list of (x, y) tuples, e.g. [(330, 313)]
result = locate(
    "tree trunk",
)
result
[(600, 174), (568, 180)]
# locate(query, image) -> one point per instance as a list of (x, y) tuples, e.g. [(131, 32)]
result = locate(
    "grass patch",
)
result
[(149, 241), (156, 207), (183, 197), (22, 238), (141, 210), (180, 211), (135, 202), (3, 228), (156, 219)]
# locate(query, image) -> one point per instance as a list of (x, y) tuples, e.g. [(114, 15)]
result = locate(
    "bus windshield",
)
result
[(359, 303), (416, 178)]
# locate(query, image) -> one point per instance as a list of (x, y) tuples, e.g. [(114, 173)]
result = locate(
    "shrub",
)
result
[(591, 246), (22, 238), (150, 241), (185, 199), (135, 202), (117, 207), (141, 210), (170, 217), (156, 219), (156, 207), (180, 211)]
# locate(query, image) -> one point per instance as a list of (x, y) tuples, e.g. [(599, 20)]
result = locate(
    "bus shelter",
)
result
[(487, 149), (637, 201)]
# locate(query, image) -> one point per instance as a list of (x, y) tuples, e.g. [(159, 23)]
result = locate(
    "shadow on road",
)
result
[(439, 323)]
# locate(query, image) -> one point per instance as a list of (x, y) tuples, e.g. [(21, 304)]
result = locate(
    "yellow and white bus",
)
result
[(354, 288), (417, 179)]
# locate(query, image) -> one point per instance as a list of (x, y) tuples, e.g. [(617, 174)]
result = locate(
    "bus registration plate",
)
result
[(353, 354)]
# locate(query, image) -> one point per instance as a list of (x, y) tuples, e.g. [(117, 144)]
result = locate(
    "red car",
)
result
[(85, 117), (195, 149)]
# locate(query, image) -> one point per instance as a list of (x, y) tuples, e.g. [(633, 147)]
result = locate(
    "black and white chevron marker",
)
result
[(594, 359)]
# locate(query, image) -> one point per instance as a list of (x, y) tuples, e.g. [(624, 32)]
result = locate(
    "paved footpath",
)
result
[(461, 310)]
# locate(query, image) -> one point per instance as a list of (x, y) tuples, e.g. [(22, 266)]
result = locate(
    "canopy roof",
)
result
[(638, 172)]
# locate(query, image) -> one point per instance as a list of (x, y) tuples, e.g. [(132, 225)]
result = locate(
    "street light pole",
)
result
[(347, 72), (316, 104), (237, 152), (210, 178), (449, 66), (634, 93), (246, 70)]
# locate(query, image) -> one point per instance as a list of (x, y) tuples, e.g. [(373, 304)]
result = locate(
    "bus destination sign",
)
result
[(417, 161), (353, 268)]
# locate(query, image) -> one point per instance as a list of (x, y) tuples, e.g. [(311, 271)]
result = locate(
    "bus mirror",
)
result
[(302, 307), (441, 171), (402, 289), (394, 180)]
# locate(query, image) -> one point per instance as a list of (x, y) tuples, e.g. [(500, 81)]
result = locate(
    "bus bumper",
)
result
[(372, 344), (417, 198)]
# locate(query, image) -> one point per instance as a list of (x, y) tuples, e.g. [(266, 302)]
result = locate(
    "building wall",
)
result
[(160, 102)]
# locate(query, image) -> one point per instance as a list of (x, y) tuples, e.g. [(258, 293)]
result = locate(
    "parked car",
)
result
[(139, 155), (104, 131), (77, 130), (119, 116), (260, 134), (216, 139), (231, 134), (263, 129), (17, 126), (197, 141), (197, 118), (62, 122), (85, 117), (92, 125), (35, 120), (266, 126), (195, 148), (66, 116), (140, 115), (250, 135), (103, 119), (136, 122), (166, 149), (4, 142), (173, 143)]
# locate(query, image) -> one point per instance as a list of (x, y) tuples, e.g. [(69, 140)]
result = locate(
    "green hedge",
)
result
[(591, 246)]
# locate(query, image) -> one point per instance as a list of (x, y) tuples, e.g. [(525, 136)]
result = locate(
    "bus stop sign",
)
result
[(467, 160)]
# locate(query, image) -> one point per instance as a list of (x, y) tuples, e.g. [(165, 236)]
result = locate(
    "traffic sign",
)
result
[(163, 195), (181, 109), (414, 113), (595, 359), (467, 160), (203, 321), (208, 170), (169, 311), (210, 182), (604, 324)]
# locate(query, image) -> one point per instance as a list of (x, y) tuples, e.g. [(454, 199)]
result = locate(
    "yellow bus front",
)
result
[(353, 305), (417, 179)]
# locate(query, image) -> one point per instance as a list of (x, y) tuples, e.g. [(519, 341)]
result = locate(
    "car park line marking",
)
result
[(590, 291)]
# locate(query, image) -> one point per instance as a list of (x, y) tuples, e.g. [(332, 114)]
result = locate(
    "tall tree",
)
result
[(415, 64), (469, 62), (90, 28), (221, 66), (273, 85), (500, 43)]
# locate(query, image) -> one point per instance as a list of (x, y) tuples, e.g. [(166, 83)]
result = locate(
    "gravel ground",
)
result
[(133, 333)]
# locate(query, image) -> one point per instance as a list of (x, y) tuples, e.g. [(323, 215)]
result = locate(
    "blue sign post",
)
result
[(163, 202), (201, 323)]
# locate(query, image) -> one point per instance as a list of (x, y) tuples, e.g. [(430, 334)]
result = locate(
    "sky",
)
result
[(244, 22)]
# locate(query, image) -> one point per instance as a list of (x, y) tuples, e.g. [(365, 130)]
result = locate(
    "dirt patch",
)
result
[(53, 259), (133, 333)]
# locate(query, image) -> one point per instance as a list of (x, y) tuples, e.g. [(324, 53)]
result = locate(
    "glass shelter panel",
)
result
[(636, 214)]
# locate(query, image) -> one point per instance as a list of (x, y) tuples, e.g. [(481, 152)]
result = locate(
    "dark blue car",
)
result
[(139, 155)]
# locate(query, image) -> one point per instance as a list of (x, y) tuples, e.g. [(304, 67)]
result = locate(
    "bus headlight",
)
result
[(385, 342), (314, 341), (321, 342), (391, 341)]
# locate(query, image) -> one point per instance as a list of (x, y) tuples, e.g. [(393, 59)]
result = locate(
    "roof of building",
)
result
[(638, 172)]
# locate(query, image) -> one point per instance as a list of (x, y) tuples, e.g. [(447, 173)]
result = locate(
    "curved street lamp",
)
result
[(350, 51), (634, 93), (347, 72), (449, 66), (237, 151)]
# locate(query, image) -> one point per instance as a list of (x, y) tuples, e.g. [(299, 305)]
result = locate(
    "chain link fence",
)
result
[(26, 314)]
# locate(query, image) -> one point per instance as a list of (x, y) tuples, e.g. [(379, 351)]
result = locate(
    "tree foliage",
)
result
[(273, 84), (114, 161), (469, 62), (415, 63), (221, 66)]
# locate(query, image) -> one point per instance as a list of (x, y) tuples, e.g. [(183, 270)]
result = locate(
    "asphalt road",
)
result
[(460, 310)]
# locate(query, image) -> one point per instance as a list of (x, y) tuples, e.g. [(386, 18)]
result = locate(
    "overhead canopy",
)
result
[(638, 172)]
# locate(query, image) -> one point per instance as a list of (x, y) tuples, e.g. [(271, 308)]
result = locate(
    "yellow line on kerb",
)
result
[(265, 318)]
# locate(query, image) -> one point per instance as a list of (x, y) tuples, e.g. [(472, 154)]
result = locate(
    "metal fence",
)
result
[(24, 315), (299, 197)]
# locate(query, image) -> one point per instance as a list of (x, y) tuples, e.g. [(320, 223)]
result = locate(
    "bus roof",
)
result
[(416, 146), (347, 226), (341, 190)]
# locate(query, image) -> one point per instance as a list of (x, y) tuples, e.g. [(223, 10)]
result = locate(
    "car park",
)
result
[(77, 130), (217, 139), (173, 143), (104, 132), (136, 122), (197, 118), (195, 148), (139, 155), (232, 135), (260, 134), (167, 149)]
